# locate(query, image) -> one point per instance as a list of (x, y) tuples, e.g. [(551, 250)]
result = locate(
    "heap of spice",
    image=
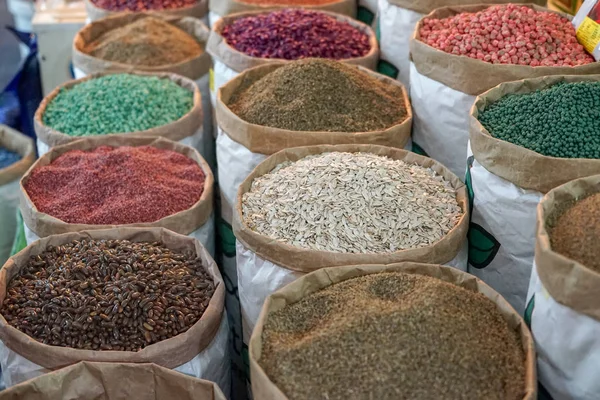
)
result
[(8, 158), (113, 186), (143, 5), (352, 203), (107, 295), (117, 103), (293, 34), (393, 336), (574, 233), (148, 42), (508, 34), (320, 95), (559, 121)]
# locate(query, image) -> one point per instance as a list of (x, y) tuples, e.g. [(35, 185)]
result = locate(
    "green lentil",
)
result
[(560, 121), (117, 103)]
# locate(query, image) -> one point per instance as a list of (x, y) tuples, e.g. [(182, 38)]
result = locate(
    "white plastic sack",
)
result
[(212, 18), (9, 203), (396, 25), (567, 346), (211, 364), (502, 233), (441, 120), (221, 75)]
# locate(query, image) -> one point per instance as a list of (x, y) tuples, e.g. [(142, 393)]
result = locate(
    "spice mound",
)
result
[(559, 121), (108, 295), (143, 5), (393, 336), (575, 232), (508, 34), (320, 95), (149, 42), (351, 203), (117, 103), (113, 186), (295, 34), (8, 158)]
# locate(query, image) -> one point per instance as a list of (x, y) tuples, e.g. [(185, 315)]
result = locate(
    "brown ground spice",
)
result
[(393, 336), (576, 230), (320, 95), (149, 42)]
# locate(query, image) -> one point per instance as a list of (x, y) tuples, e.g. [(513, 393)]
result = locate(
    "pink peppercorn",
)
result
[(142, 5), (122, 185), (508, 34)]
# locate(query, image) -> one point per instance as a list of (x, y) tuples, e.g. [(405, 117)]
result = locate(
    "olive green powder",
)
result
[(393, 336), (117, 103), (320, 95), (148, 42)]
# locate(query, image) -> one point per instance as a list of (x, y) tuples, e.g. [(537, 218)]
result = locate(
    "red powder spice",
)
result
[(122, 185)]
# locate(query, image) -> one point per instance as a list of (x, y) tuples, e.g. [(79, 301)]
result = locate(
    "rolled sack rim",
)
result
[(227, 7), (198, 10), (15, 141), (307, 260), (427, 6)]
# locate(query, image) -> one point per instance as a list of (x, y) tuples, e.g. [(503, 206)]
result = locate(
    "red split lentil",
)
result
[(113, 186), (508, 34)]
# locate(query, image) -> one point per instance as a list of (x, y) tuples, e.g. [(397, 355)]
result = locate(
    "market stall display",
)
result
[(526, 138), (449, 71), (563, 310), (349, 332), (148, 42), (98, 9), (126, 295)]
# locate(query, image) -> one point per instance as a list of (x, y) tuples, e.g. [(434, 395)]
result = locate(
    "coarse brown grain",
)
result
[(576, 230), (108, 295), (393, 336), (320, 95), (149, 42)]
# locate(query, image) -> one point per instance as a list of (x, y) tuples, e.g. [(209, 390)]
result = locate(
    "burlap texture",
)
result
[(267, 140), (471, 76), (169, 353), (184, 127), (568, 281), (226, 7), (305, 260), (193, 68), (114, 381), (427, 6), (217, 45), (264, 389), (198, 10), (523, 167), (15, 141), (183, 222)]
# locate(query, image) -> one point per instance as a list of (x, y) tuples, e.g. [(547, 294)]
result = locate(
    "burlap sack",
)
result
[(199, 10), (265, 265), (506, 183), (264, 389), (226, 7), (201, 351), (197, 221), (114, 381), (14, 141), (397, 20), (563, 306), (187, 129), (443, 88)]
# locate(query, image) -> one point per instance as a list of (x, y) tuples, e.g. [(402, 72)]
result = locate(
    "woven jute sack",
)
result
[(15, 141), (229, 63), (264, 265), (197, 221), (397, 20), (563, 308), (201, 351), (187, 129), (506, 183), (198, 10), (196, 69), (221, 8), (114, 381), (265, 389), (443, 88)]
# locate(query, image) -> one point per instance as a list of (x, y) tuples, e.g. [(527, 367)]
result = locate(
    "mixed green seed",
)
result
[(560, 121), (118, 103)]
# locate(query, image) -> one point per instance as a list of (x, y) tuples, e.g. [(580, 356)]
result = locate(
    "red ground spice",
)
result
[(122, 185)]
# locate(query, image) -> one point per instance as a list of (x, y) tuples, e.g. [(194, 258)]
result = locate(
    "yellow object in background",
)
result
[(567, 6)]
